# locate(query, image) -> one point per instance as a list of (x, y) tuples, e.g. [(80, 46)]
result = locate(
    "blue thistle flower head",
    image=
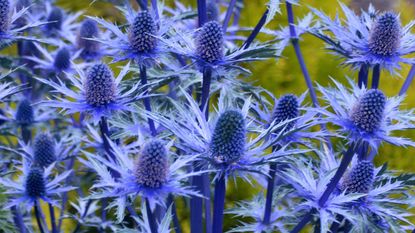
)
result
[(368, 38), (385, 35), (89, 29), (55, 19), (361, 178), (367, 114), (24, 113), (100, 88), (4, 15), (44, 152), (228, 139), (212, 11), (142, 31), (35, 184), (152, 166), (286, 109), (209, 42), (62, 59)]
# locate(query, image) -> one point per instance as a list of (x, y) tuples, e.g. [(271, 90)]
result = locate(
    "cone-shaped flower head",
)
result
[(55, 19), (62, 59), (142, 31), (44, 150), (35, 183), (367, 114), (152, 165), (385, 35), (4, 15), (286, 109), (209, 42), (100, 88), (24, 113), (228, 140), (212, 11), (360, 179), (89, 29)]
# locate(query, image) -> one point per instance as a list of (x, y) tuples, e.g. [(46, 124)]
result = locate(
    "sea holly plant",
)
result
[(152, 120)]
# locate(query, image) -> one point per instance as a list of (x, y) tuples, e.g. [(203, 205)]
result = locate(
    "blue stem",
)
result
[(151, 219), (408, 81), (270, 192), (201, 12), (65, 195), (347, 158), (18, 219), (376, 77), (219, 204), (26, 133), (155, 8), (78, 225), (307, 218), (196, 205), (176, 222), (105, 134), (300, 58), (363, 75), (256, 30), (147, 105), (37, 214), (143, 4), (204, 102), (52, 218), (228, 15)]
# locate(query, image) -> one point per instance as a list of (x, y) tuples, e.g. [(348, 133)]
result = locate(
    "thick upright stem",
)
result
[(376, 77), (307, 218), (204, 103), (256, 30), (219, 204), (151, 219), (201, 12), (65, 195), (408, 81), (147, 104), (18, 219), (228, 15), (38, 217), (363, 76), (105, 134), (270, 192), (347, 158), (26, 133), (52, 218), (176, 222), (143, 4), (155, 8)]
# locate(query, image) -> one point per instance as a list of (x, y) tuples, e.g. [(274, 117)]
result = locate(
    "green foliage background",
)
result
[(284, 75)]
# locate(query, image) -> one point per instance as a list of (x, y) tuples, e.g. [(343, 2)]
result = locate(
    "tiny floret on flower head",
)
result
[(55, 19), (89, 29), (24, 113), (367, 114), (4, 15), (209, 42), (360, 179), (152, 165), (142, 32), (35, 183), (62, 59), (286, 109), (385, 35), (228, 140), (44, 150), (100, 87)]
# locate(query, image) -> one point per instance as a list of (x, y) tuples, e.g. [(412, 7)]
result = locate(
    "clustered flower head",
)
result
[(209, 42), (228, 139), (100, 88), (142, 33), (286, 109), (90, 48), (360, 179), (44, 150)]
